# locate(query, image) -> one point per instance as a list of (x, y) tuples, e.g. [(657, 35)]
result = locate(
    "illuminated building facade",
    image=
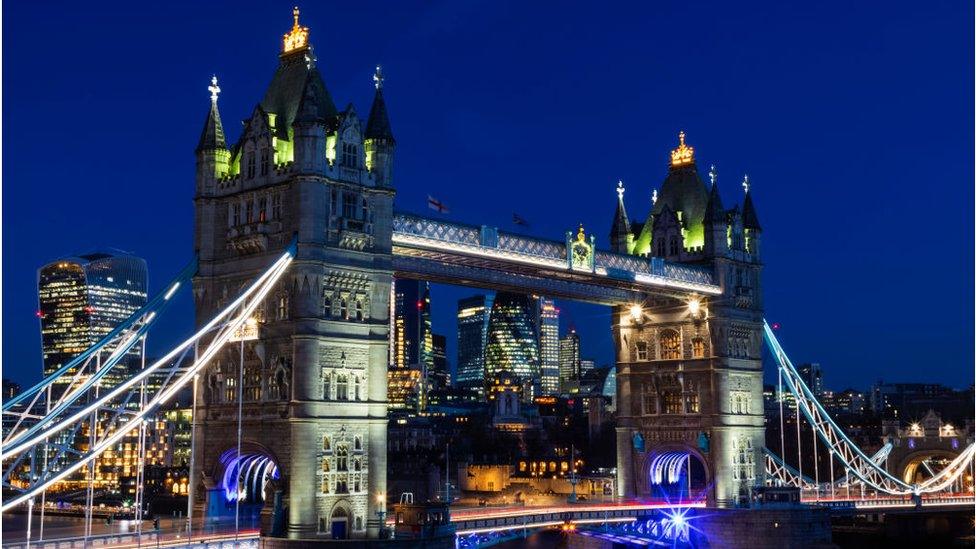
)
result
[(569, 363), (412, 347), (512, 343), (83, 298), (472, 329), (315, 378), (439, 377), (548, 323), (689, 370)]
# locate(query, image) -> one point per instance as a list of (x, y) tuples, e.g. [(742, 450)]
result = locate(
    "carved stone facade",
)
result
[(314, 382), (689, 371)]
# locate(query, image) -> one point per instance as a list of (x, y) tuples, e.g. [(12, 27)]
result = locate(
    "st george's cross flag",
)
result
[(437, 205)]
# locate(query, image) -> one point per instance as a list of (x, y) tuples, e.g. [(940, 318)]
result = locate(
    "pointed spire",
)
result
[(621, 223), (749, 218), (212, 136), (378, 124), (714, 210)]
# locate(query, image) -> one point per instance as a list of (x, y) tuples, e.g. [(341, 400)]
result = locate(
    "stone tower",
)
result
[(689, 371), (314, 376)]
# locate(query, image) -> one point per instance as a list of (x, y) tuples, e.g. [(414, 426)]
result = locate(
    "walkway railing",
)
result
[(484, 241)]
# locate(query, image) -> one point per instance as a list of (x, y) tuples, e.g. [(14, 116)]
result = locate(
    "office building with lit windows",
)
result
[(412, 352), (569, 363), (82, 298), (548, 324), (512, 343), (472, 334)]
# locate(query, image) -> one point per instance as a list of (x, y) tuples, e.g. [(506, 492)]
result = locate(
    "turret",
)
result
[(715, 221), (750, 221), (213, 158), (311, 126), (379, 141), (621, 236)]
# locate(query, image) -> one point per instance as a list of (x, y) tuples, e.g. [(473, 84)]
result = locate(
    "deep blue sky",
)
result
[(854, 121)]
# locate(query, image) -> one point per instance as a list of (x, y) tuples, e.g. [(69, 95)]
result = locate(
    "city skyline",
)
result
[(845, 300)]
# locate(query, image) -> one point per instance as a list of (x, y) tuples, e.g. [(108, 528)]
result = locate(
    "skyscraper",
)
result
[(512, 344), (569, 363), (83, 298), (472, 330), (548, 321), (439, 376), (812, 375), (412, 353)]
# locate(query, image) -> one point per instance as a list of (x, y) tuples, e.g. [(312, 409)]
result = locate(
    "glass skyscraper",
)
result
[(472, 330), (548, 322), (83, 298), (412, 351), (512, 343), (569, 363)]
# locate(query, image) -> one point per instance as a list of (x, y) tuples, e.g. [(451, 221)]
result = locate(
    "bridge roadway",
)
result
[(476, 520)]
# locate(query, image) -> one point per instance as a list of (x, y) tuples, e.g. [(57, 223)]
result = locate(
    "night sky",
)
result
[(854, 121)]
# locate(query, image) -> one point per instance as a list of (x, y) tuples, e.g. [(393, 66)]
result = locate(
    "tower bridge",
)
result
[(298, 243)]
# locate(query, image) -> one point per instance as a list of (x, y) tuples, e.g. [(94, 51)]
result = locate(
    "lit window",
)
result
[(262, 209), (342, 457), (698, 348), (672, 403), (670, 345), (641, 350), (692, 403)]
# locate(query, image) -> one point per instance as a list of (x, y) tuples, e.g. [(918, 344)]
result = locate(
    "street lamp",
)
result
[(381, 512), (694, 306)]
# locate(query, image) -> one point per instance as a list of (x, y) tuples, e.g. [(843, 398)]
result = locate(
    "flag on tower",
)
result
[(519, 220), (436, 205)]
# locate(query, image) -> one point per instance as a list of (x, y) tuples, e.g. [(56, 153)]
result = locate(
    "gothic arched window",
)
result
[(342, 387), (265, 160), (327, 305), (326, 386), (672, 403), (698, 348), (342, 457), (670, 345), (282, 308), (674, 246)]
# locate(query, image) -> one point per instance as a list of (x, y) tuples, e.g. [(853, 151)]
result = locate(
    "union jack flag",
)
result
[(519, 220), (436, 205)]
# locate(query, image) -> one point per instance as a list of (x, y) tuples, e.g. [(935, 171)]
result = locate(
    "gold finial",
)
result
[(683, 154), (581, 236), (298, 36)]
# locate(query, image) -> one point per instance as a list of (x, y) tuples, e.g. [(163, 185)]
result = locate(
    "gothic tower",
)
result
[(313, 395), (689, 371)]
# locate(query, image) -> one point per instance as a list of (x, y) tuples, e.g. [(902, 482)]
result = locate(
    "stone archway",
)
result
[(245, 484), (922, 464), (340, 521), (674, 472)]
